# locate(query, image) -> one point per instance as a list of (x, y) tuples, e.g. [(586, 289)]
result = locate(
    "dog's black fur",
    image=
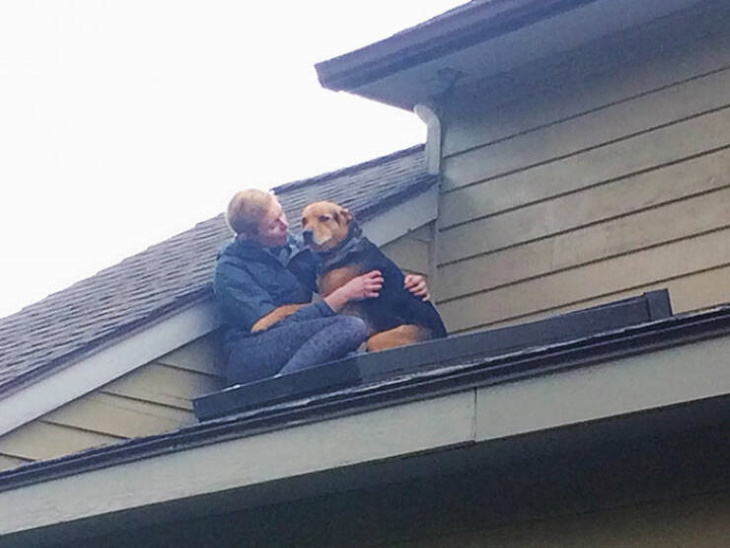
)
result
[(395, 305)]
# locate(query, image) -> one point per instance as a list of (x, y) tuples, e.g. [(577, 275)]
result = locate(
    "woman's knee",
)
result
[(355, 327)]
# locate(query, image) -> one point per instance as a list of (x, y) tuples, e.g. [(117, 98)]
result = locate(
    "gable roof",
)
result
[(94, 313)]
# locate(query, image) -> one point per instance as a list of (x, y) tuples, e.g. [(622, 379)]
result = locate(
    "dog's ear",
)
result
[(346, 215)]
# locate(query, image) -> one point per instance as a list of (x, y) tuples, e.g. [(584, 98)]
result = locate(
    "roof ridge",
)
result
[(293, 185)]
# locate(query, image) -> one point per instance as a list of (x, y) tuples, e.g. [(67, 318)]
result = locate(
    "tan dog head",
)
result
[(325, 225)]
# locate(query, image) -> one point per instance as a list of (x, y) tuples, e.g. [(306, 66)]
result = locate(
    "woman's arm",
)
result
[(416, 284), (365, 286), (248, 306)]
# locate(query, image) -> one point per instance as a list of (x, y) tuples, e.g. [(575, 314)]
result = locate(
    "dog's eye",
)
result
[(324, 218), (304, 222)]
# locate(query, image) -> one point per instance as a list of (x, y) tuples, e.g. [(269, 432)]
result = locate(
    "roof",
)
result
[(449, 32), (98, 311)]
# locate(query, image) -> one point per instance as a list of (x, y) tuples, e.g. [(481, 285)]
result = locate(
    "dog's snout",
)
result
[(308, 236)]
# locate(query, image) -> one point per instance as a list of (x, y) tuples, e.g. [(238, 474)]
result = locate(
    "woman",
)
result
[(264, 281)]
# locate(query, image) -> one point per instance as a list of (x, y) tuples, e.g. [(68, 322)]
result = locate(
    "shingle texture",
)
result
[(94, 312)]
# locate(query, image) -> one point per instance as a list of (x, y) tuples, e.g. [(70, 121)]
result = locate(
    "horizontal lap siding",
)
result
[(150, 400), (591, 79), (649, 228), (412, 251), (7, 462), (610, 279), (40, 440), (681, 141), (119, 416), (165, 385), (628, 194)]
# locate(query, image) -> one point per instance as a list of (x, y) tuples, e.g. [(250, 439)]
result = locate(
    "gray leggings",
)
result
[(294, 345)]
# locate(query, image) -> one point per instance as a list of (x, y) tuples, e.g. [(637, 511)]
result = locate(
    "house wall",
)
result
[(152, 399), (412, 252), (601, 173)]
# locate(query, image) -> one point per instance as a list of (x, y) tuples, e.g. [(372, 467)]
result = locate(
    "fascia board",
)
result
[(106, 365), (634, 384), (371, 436), (402, 80), (446, 34)]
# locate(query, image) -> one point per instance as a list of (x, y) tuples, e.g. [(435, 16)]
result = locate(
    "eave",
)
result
[(672, 364), (479, 40)]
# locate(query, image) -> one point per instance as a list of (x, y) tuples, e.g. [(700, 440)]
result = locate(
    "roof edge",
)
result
[(451, 32), (293, 185), (640, 339)]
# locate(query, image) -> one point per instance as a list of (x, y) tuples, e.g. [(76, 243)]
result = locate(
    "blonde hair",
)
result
[(246, 210)]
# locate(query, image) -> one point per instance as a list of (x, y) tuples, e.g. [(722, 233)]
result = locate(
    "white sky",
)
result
[(124, 122)]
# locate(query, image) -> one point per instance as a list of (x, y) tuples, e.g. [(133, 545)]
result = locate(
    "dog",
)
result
[(394, 318)]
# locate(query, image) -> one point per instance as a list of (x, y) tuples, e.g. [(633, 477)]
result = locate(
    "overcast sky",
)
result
[(124, 122)]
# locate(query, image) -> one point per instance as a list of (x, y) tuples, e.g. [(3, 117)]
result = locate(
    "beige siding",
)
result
[(41, 440), (601, 187), (412, 252), (595, 77), (152, 399), (7, 462)]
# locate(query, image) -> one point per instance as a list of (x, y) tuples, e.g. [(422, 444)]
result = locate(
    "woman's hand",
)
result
[(365, 286), (416, 284)]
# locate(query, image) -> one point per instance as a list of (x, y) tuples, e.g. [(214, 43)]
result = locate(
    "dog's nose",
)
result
[(308, 236)]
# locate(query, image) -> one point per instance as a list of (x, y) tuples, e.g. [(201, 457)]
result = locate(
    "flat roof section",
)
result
[(459, 351)]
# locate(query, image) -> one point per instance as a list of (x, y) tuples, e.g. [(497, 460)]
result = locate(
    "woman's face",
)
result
[(273, 228)]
